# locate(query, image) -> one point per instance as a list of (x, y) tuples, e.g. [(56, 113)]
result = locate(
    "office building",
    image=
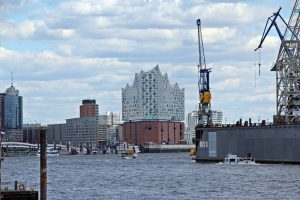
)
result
[(192, 122), (12, 114), (89, 108), (2, 110), (31, 133), (86, 132), (13, 109), (113, 118), (56, 134)]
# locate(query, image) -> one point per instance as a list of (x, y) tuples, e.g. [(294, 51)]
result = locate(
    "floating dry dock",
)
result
[(267, 144)]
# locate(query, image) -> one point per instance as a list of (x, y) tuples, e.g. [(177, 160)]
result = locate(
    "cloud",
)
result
[(64, 51), (227, 84)]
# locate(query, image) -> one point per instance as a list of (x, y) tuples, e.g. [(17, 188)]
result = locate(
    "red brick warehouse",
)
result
[(157, 132)]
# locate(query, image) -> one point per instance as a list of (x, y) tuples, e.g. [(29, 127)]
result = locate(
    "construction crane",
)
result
[(204, 114), (287, 66)]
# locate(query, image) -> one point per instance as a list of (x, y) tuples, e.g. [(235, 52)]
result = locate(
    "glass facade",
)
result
[(152, 97), (13, 109)]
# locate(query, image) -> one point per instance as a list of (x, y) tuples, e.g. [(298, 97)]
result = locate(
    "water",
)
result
[(154, 176)]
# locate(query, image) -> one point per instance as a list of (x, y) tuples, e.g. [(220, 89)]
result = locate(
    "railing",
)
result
[(18, 186)]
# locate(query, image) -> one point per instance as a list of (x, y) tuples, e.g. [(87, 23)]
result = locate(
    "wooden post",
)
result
[(43, 164), (1, 158)]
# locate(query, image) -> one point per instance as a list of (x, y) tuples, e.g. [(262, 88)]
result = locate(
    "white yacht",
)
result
[(234, 159), (50, 152)]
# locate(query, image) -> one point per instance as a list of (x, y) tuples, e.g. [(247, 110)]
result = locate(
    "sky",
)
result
[(64, 51)]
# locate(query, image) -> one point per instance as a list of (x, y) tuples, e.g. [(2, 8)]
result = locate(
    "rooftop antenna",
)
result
[(12, 79)]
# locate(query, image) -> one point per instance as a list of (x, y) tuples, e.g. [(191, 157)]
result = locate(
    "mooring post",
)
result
[(43, 164), (1, 158)]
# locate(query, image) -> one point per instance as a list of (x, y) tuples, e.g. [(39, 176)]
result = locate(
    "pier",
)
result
[(167, 148)]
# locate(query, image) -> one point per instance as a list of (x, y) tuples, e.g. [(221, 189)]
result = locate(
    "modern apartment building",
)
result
[(89, 108), (152, 97)]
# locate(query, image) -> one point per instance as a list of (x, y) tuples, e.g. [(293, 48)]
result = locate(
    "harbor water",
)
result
[(154, 176)]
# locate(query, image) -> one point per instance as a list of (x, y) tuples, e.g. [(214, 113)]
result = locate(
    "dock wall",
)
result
[(268, 144)]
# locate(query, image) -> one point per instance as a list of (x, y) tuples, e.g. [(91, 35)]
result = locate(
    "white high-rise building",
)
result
[(113, 118), (217, 117), (152, 97), (192, 122), (113, 126)]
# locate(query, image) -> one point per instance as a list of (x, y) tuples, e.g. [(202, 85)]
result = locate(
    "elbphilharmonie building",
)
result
[(152, 98)]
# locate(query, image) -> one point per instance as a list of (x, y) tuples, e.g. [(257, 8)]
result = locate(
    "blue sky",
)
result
[(64, 51)]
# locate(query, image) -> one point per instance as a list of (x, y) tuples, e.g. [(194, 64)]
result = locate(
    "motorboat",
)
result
[(123, 148), (234, 159), (50, 152), (129, 153)]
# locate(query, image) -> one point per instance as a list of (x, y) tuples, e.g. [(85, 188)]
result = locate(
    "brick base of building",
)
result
[(157, 132)]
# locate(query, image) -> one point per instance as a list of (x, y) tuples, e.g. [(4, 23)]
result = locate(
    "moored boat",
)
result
[(50, 152)]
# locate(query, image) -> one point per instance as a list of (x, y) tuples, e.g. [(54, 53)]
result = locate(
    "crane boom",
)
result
[(287, 67), (203, 83)]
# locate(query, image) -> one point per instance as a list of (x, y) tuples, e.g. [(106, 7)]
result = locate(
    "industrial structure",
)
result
[(287, 67), (203, 83), (278, 142)]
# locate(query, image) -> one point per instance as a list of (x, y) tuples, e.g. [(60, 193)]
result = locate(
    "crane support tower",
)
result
[(287, 66), (203, 83)]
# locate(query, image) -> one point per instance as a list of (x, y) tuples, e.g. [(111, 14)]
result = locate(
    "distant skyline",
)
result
[(62, 52)]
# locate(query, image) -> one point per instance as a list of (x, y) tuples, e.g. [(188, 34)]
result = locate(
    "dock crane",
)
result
[(204, 114), (287, 66)]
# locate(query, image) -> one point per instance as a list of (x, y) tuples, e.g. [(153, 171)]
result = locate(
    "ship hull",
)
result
[(267, 144)]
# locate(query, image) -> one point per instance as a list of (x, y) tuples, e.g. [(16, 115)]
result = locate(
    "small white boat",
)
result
[(234, 159), (49, 152)]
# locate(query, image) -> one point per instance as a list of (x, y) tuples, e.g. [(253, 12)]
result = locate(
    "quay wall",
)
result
[(164, 148)]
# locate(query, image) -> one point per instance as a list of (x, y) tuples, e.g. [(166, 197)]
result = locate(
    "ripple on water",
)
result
[(155, 176)]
